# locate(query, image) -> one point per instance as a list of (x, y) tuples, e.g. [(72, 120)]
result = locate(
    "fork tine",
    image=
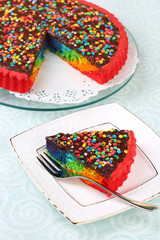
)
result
[(47, 168), (53, 161), (58, 169), (50, 168)]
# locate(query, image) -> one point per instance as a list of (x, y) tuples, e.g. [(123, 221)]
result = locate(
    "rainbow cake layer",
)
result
[(89, 38), (104, 156)]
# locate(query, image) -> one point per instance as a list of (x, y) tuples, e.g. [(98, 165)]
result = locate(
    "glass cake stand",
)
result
[(10, 100)]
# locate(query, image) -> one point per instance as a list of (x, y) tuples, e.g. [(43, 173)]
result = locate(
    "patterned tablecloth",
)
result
[(24, 212)]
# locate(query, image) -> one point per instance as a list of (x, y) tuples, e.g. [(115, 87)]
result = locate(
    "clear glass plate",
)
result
[(10, 100)]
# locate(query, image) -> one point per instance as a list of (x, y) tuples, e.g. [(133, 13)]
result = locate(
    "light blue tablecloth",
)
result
[(24, 212)]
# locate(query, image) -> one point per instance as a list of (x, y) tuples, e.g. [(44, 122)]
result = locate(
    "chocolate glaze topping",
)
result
[(24, 25), (100, 150)]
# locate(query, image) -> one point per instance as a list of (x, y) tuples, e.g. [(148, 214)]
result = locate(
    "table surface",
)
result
[(25, 212)]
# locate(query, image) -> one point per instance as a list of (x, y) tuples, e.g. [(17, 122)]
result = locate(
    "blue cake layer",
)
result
[(60, 154)]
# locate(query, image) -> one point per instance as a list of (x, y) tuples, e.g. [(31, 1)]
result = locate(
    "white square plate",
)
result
[(78, 202)]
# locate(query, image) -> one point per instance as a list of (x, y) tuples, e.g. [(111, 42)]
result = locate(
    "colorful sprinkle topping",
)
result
[(24, 25), (100, 150)]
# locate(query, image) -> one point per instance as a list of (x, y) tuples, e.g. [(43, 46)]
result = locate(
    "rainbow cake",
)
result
[(88, 37), (104, 156)]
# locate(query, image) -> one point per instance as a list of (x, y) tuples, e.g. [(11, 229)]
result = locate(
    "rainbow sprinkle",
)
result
[(100, 150)]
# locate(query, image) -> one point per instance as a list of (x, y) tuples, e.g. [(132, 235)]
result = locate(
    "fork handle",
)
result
[(138, 204)]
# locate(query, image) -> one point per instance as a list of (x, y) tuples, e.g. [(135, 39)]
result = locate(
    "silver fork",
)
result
[(59, 171)]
